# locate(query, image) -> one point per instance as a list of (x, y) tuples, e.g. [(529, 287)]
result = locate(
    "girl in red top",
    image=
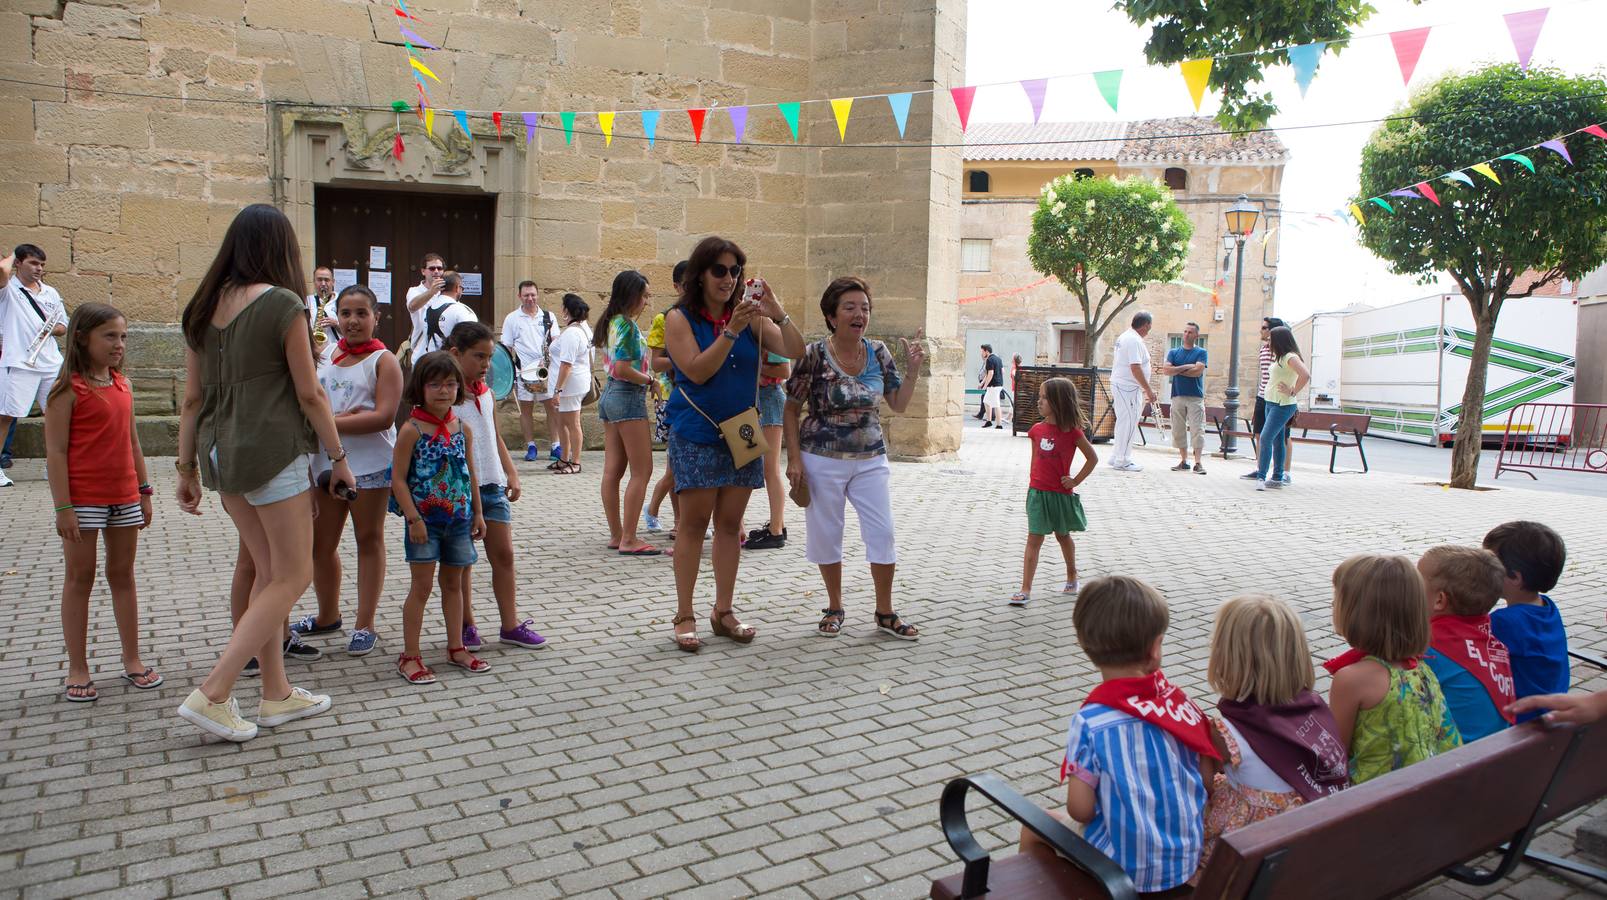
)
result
[(1053, 506), (98, 481)]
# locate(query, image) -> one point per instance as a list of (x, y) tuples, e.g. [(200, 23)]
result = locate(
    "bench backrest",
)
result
[(1322, 420), (1406, 827)]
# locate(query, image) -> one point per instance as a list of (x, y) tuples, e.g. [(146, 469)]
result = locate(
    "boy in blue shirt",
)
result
[(1530, 625), (1461, 585)]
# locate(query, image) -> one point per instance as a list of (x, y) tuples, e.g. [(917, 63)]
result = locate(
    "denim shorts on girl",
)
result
[(291, 480), (449, 545), (772, 402), (494, 504), (622, 402)]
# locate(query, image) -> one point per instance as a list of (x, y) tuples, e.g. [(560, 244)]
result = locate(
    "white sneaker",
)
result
[(1129, 466), (299, 705), (5, 481), (222, 719)]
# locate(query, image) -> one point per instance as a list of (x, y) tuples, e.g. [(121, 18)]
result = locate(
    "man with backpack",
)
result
[(441, 314)]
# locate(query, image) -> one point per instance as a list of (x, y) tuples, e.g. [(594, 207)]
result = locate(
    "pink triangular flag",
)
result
[(962, 103), (1036, 88), (1425, 190), (1525, 30), (1595, 130), (1408, 47)]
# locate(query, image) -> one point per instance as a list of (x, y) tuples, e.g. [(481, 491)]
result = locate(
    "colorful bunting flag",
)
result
[(496, 119), (650, 125), (789, 111), (1595, 130), (963, 96), (605, 122), (1355, 210), (1458, 176), (839, 109), (396, 148), (1525, 30), (1196, 72), (1485, 170), (429, 120), (423, 68), (1036, 89), (1110, 86), (739, 120), (398, 106), (1408, 47), (1304, 60), (463, 120), (900, 104), (530, 127), (568, 120), (1382, 202), (1428, 192), (1559, 148), (697, 116), (1406, 192), (404, 14), (1519, 158), (410, 35)]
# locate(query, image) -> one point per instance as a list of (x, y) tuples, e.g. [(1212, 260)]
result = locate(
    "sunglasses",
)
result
[(719, 271), (433, 268)]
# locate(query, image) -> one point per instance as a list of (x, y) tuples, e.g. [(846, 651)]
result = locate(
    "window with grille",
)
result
[(980, 183), (976, 255), (1174, 341)]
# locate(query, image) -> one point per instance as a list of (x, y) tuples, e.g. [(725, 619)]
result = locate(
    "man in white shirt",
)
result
[(440, 315), (321, 303), (1129, 390), (421, 294), (528, 332), (28, 306)]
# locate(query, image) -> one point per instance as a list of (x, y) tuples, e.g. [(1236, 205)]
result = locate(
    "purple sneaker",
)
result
[(471, 637), (522, 636)]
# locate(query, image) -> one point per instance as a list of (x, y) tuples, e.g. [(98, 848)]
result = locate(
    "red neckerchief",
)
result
[(441, 433), (720, 322), (346, 348), (1352, 656), (1162, 704), (477, 388), (1467, 641)]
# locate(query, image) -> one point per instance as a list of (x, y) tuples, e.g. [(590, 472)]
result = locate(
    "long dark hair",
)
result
[(86, 318), (259, 248), (1060, 395), (708, 252), (1282, 341), (628, 288)]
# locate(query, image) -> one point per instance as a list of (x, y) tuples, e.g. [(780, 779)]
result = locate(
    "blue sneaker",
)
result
[(471, 638), (556, 453), (531, 454), (1286, 479), (362, 642), (309, 625), (653, 522)]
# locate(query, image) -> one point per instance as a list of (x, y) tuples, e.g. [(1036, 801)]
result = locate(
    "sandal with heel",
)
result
[(831, 623), (688, 643), (742, 633)]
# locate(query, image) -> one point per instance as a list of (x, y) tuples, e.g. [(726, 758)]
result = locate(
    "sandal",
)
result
[(685, 642), (475, 665), (422, 675), (743, 633), (554, 465), (86, 692), (1020, 598), (145, 680), (892, 626), (644, 550), (831, 624)]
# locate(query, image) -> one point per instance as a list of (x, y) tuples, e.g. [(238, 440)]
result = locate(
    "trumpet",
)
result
[(43, 337)]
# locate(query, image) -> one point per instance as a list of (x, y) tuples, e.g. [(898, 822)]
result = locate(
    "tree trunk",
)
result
[(1090, 343), (1470, 425)]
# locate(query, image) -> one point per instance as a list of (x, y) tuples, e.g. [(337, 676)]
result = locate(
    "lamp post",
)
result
[(1241, 218)]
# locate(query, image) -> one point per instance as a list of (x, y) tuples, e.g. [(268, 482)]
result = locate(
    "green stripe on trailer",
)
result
[(1539, 353)]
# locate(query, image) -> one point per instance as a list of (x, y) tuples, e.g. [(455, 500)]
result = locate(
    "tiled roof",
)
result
[(1180, 139)]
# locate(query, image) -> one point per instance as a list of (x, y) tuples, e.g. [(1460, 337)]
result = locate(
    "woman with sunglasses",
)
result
[(715, 342)]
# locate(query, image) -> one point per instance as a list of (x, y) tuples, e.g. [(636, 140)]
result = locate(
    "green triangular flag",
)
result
[(789, 111), (1520, 158), (1110, 85), (568, 119)]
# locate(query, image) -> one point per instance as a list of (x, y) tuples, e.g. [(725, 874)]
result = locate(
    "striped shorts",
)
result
[(117, 515)]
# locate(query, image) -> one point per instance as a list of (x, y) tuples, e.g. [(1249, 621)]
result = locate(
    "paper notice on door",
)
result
[(376, 258), (472, 283), (380, 284), (344, 278)]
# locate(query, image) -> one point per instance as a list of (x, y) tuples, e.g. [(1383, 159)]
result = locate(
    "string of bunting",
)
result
[(1523, 27)]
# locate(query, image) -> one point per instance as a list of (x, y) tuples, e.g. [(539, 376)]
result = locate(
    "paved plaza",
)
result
[(610, 765)]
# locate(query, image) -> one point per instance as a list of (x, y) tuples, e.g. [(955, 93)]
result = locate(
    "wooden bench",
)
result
[(1218, 417), (1344, 430), (1149, 418), (1373, 840)]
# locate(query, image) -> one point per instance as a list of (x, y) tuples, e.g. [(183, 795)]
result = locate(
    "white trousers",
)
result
[(1128, 404), (20, 389), (833, 484)]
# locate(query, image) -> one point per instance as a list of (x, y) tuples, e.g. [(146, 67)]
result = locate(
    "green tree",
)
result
[(1485, 236), (1105, 240), (1182, 30)]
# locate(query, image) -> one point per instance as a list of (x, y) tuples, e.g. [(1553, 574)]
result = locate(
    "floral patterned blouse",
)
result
[(625, 346), (1411, 724), (844, 416), (439, 480)]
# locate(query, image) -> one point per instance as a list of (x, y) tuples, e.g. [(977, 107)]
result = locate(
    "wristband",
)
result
[(726, 333), (186, 468), (782, 322), (334, 458), (146, 490), (64, 508)]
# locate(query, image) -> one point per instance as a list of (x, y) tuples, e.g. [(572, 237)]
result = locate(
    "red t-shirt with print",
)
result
[(1053, 451)]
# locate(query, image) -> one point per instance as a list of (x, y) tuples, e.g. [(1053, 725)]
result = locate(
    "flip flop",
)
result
[(644, 550), (133, 678), (1020, 599), (91, 697)]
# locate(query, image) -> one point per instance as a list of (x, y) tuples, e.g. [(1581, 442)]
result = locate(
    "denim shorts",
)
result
[(772, 401), (373, 481), (622, 402), (449, 545), (494, 504), (291, 480)]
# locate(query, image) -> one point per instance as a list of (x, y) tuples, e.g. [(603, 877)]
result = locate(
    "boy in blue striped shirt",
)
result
[(1139, 753)]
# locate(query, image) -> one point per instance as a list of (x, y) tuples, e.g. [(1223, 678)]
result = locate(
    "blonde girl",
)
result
[(1053, 506), (99, 484)]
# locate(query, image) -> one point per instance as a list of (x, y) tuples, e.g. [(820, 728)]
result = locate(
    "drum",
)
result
[(500, 378)]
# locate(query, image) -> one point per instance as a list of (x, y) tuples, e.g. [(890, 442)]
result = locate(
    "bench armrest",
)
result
[(1067, 843), (1592, 659)]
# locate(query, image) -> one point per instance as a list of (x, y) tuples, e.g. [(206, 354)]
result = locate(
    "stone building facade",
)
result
[(132, 131), (1004, 301)]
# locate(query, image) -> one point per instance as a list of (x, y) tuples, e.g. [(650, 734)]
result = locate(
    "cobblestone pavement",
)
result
[(610, 765)]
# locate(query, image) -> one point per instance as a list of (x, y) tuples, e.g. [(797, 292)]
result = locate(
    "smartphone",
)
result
[(753, 291)]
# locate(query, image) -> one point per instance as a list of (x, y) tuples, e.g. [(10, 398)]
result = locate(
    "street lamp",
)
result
[(1241, 217)]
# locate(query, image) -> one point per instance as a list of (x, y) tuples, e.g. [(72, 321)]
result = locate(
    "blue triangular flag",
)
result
[(1304, 59), (901, 110), (463, 120), (650, 124)]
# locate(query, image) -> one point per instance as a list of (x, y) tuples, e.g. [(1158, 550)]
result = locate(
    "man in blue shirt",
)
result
[(1186, 365)]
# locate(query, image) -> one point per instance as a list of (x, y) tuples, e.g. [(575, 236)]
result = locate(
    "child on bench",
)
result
[(1530, 625), (1461, 585), (1139, 752)]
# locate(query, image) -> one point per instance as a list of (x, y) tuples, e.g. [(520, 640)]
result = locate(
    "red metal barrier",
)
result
[(1568, 437)]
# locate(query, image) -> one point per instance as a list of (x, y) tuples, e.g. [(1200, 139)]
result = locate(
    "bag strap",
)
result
[(33, 303)]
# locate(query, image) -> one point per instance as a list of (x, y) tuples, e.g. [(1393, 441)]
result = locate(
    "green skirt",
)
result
[(1051, 512)]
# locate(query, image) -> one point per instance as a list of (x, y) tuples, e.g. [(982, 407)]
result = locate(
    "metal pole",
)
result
[(1230, 443)]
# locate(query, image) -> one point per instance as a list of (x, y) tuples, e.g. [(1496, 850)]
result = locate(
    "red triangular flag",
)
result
[(962, 103), (396, 148), (496, 119), (1425, 190), (1408, 47), (1595, 130), (697, 116)]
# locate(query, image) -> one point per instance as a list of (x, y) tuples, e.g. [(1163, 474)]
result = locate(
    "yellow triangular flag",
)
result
[(423, 68), (1195, 73), (840, 108), (606, 122), (429, 120), (1485, 170), (1355, 210)]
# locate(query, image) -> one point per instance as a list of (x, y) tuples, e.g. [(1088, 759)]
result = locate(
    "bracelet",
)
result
[(726, 333), (335, 459), (782, 322), (186, 468), (64, 508), (146, 490)]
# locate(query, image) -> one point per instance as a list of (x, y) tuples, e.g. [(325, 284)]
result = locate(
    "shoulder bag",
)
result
[(742, 433)]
